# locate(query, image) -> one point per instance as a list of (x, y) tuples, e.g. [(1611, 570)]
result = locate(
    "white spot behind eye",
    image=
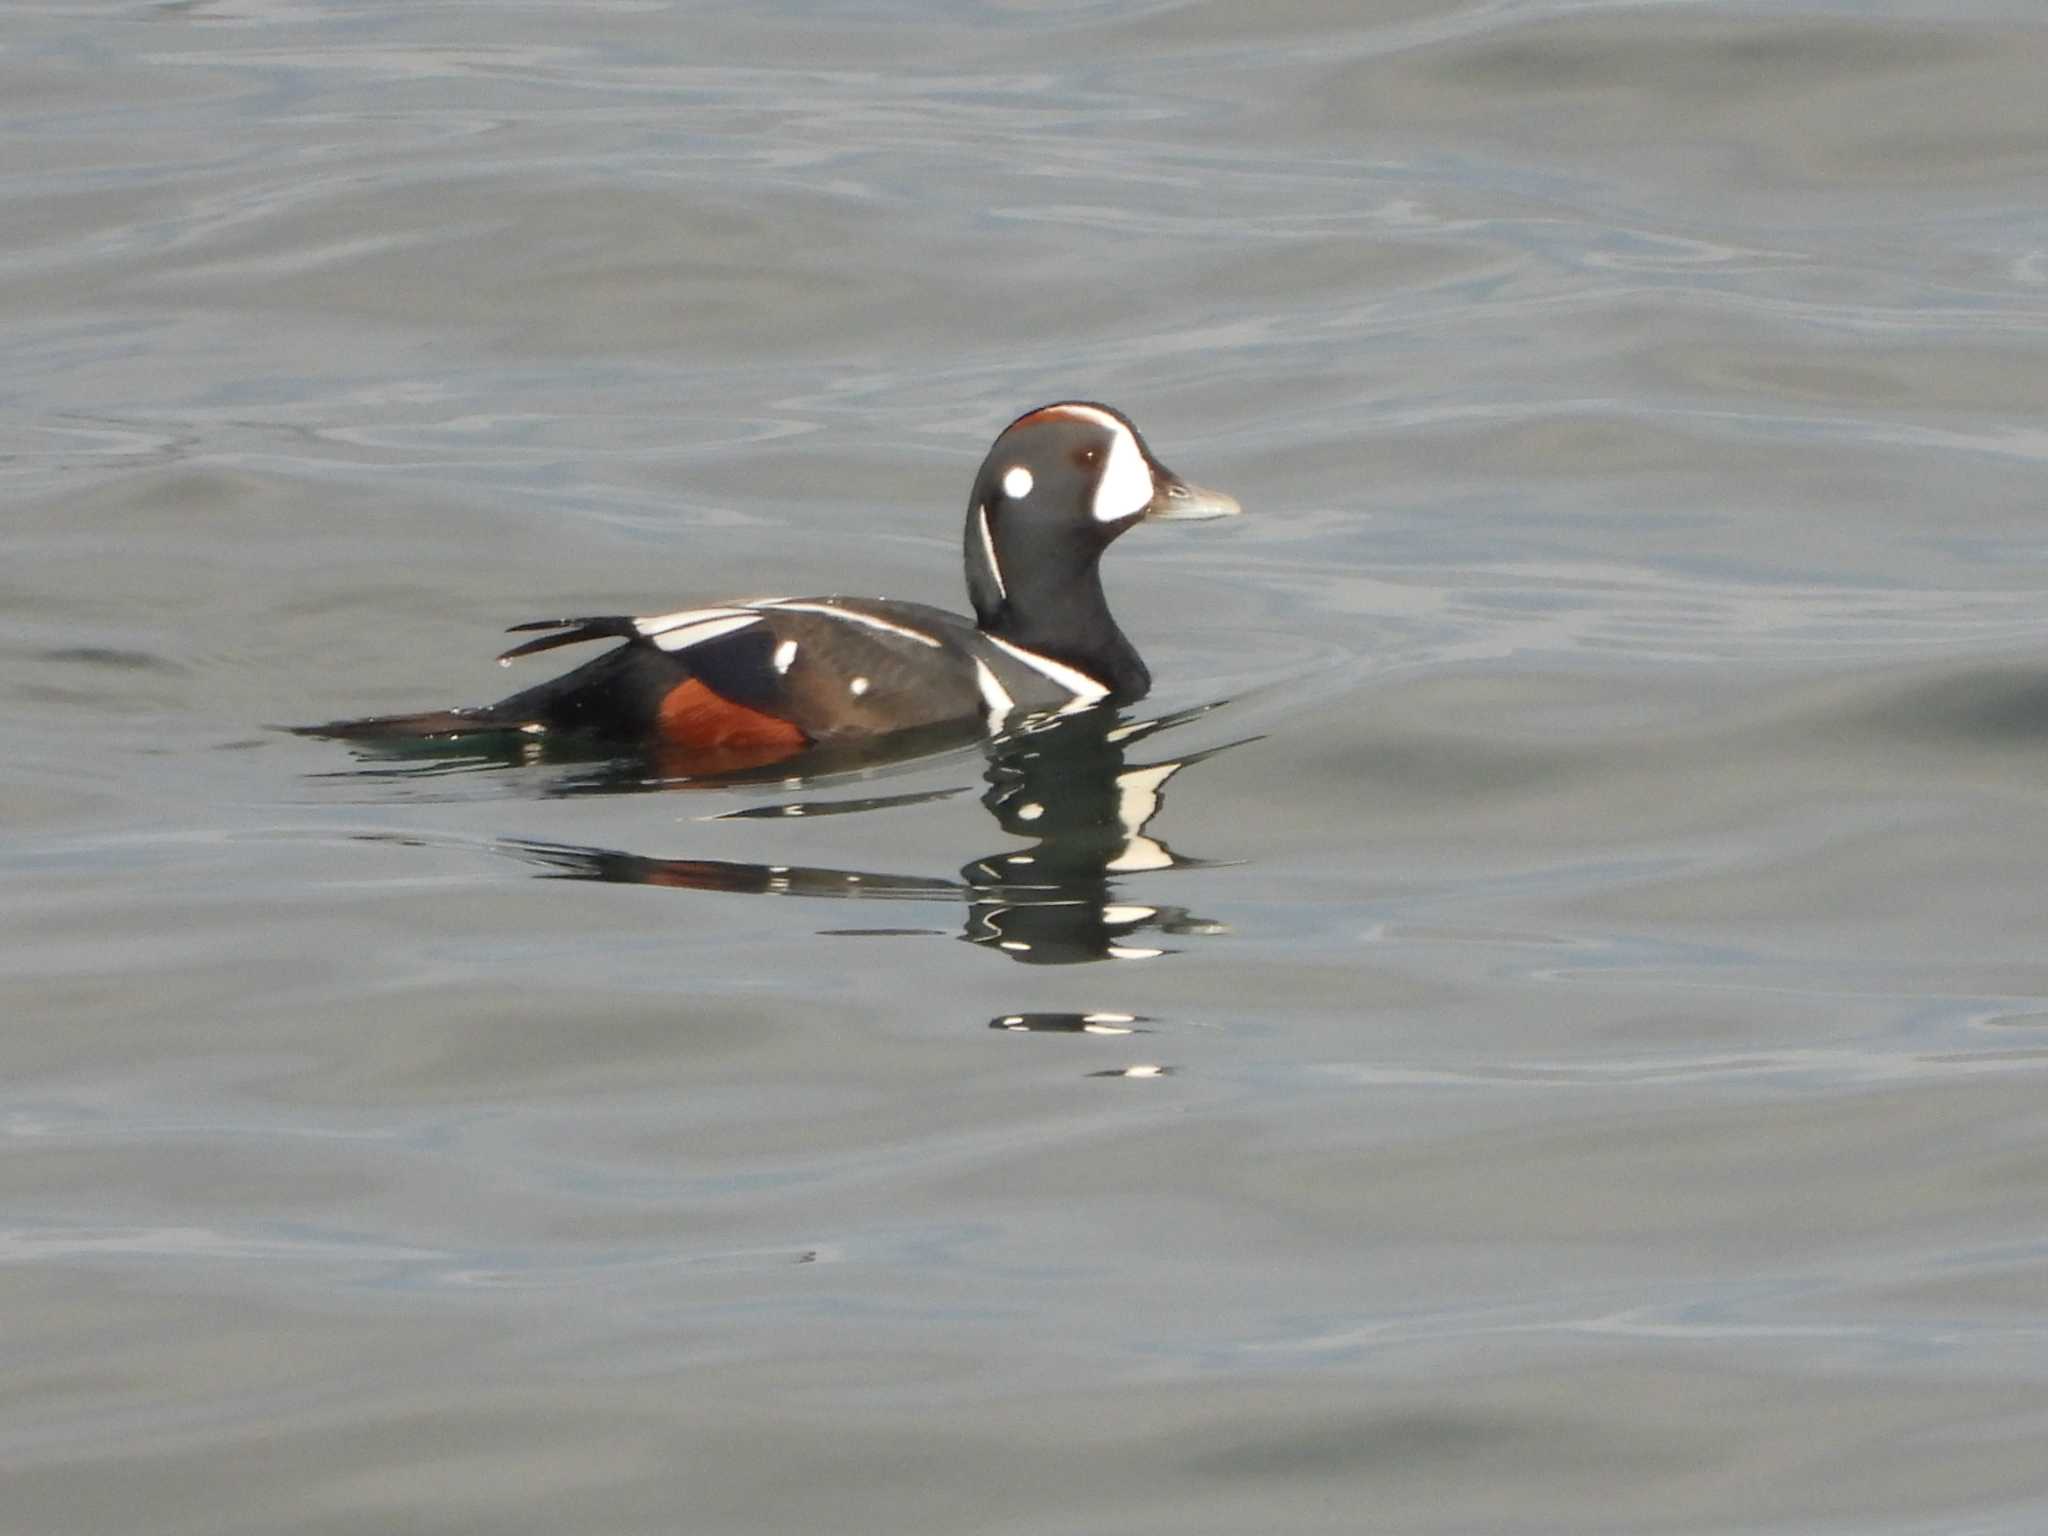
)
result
[(1017, 482), (1125, 488)]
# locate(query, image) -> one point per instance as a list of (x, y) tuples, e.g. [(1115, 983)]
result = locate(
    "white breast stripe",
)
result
[(683, 636), (1083, 687), (868, 620), (988, 548), (993, 694)]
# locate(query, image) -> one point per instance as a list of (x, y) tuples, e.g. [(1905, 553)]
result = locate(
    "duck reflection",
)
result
[(1065, 785), (1071, 1023)]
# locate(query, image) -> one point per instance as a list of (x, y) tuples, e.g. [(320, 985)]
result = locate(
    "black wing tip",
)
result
[(596, 624), (569, 632), (427, 725)]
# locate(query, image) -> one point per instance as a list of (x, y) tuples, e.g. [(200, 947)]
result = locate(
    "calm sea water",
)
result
[(1566, 1052)]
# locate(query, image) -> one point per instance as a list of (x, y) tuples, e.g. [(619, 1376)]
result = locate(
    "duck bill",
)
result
[(1182, 501)]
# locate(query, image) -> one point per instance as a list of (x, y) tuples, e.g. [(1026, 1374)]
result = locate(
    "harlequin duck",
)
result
[(755, 681)]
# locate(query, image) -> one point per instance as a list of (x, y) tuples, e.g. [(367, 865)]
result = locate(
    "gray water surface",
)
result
[(1577, 1060)]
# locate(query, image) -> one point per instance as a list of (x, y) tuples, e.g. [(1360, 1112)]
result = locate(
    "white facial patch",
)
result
[(1017, 482), (1125, 489)]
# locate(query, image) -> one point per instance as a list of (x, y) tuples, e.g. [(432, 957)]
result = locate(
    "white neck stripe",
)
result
[(988, 548)]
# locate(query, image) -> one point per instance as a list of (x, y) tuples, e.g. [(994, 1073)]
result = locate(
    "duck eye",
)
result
[(1017, 482)]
